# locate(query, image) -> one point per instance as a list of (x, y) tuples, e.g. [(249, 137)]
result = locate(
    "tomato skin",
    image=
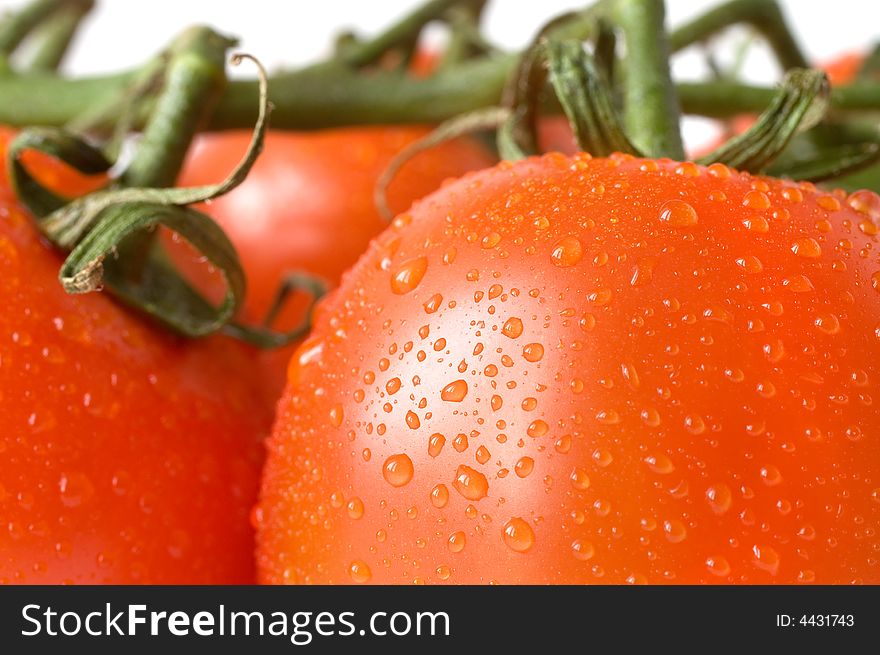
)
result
[(129, 455), (308, 204), (643, 379)]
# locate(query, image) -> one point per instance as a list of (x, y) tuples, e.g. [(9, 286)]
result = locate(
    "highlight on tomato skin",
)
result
[(128, 455), (575, 370), (307, 205)]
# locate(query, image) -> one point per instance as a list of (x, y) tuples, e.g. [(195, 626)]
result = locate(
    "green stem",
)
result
[(651, 109), (331, 96), (193, 81), (361, 53), (14, 27), (764, 16), (54, 37)]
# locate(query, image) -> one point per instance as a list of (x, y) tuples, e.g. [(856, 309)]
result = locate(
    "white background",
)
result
[(122, 33)]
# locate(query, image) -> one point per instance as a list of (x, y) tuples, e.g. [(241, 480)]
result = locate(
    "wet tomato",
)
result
[(128, 455), (575, 370), (308, 204)]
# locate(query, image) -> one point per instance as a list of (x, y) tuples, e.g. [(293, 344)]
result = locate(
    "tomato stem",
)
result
[(405, 31), (765, 16), (650, 105), (193, 81), (52, 22)]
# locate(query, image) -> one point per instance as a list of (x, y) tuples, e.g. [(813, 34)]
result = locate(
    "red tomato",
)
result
[(568, 370), (129, 456), (844, 68), (308, 203)]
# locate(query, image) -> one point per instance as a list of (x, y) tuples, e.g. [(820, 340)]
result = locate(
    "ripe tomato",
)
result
[(308, 205), (129, 456), (568, 370)]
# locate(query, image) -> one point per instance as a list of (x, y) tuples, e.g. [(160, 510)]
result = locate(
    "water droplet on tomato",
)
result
[(533, 352), (568, 251), (439, 496), (398, 470), (678, 213), (766, 558), (470, 483), (355, 508), (524, 466), (582, 549), (720, 498), (518, 535), (456, 542), (806, 247), (675, 531), (360, 572), (454, 392), (718, 565), (412, 420), (408, 275), (512, 328)]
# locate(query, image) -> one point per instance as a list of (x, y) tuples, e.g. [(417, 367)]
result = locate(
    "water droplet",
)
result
[(757, 224), (766, 558), (398, 470), (537, 428), (454, 392), (798, 284), (771, 475), (774, 351), (756, 200), (718, 565), (518, 535), (360, 572), (659, 463), (439, 496), (829, 203), (76, 489), (433, 303), (336, 415), (435, 444), (412, 420), (456, 542), (392, 386), (470, 483), (524, 466), (720, 498), (579, 479), (490, 240), (482, 455), (806, 247), (355, 508), (582, 549), (750, 264), (608, 417), (408, 275), (694, 424), (512, 328), (675, 531), (678, 213), (533, 352), (827, 323), (643, 272), (568, 251)]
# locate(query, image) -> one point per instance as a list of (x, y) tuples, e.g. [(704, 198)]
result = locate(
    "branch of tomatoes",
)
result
[(357, 85), (334, 93)]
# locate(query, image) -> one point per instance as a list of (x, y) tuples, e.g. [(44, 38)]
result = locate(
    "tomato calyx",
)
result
[(110, 233)]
